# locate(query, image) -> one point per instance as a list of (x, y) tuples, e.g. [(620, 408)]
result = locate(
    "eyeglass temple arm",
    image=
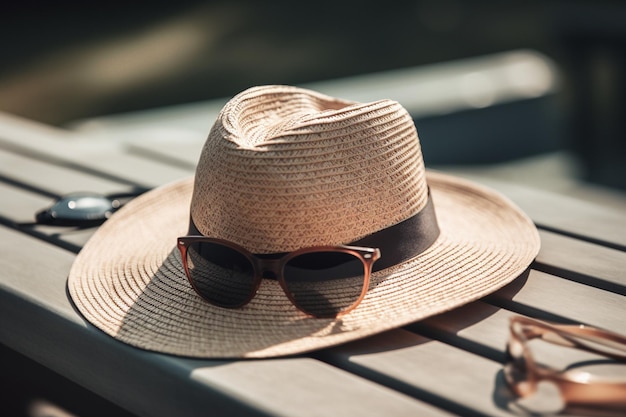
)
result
[(575, 336)]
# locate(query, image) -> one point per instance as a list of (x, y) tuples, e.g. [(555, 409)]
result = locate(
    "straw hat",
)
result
[(285, 168)]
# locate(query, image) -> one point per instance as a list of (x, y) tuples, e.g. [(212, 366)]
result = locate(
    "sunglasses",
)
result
[(577, 388), (83, 209), (321, 281)]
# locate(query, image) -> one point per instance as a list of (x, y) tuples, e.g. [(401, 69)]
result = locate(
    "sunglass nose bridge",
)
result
[(269, 274), (268, 266)]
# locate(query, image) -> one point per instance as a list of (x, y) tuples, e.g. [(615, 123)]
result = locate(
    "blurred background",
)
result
[(67, 62)]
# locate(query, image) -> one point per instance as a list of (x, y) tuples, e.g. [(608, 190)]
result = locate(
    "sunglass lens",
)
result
[(324, 284), (221, 275), (78, 209)]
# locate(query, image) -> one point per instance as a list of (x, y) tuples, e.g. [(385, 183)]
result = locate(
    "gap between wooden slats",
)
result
[(453, 364), (28, 185), (54, 178), (565, 215), (110, 161), (583, 262), (481, 328), (454, 405), (540, 296), (39, 321), (133, 162), (18, 209), (461, 368)]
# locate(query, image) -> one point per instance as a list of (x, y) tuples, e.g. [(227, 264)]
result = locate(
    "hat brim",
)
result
[(128, 280)]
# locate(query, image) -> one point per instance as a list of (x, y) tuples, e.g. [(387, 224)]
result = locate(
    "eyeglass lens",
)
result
[(221, 275), (579, 382), (84, 209), (324, 283), (321, 284), (78, 209)]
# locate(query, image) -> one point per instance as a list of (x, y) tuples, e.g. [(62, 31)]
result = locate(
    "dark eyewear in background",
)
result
[(83, 209)]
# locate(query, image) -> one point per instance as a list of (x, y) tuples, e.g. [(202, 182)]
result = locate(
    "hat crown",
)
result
[(285, 168)]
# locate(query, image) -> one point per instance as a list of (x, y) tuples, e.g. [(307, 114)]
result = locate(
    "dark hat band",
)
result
[(397, 243)]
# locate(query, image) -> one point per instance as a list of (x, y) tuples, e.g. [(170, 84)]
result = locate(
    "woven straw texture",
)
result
[(285, 168)]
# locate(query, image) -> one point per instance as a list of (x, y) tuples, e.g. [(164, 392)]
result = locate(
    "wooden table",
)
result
[(446, 365)]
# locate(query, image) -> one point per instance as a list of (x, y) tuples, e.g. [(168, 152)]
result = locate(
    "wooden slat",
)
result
[(70, 238), (548, 296), (484, 330), (464, 383), (486, 324), (42, 164), (583, 261), (35, 312), (18, 205), (137, 169), (18, 208), (565, 214), (16, 126), (448, 375), (28, 185), (303, 386), (562, 214), (53, 178), (396, 373), (109, 159), (185, 154), (469, 372), (113, 163)]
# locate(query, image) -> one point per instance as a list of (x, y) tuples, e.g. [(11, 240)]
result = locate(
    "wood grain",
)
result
[(35, 312)]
